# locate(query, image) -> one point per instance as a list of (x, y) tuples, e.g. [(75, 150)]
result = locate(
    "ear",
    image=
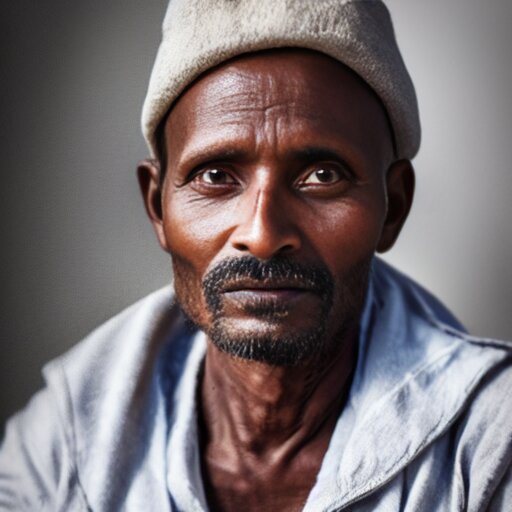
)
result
[(400, 192), (148, 173)]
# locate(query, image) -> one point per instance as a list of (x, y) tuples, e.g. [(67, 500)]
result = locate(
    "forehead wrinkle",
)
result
[(240, 103), (265, 110), (274, 125), (267, 130), (242, 95), (258, 117), (234, 87)]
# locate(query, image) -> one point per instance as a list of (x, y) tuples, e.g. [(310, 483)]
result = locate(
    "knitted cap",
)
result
[(200, 34)]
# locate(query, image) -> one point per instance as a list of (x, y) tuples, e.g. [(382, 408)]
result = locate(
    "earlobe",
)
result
[(148, 174), (400, 182)]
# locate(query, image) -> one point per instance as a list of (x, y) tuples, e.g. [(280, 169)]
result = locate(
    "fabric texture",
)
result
[(199, 34), (426, 426)]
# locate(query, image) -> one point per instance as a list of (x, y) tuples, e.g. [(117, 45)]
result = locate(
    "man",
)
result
[(290, 369)]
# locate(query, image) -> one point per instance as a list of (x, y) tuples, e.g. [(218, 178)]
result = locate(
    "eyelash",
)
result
[(342, 171), (196, 173)]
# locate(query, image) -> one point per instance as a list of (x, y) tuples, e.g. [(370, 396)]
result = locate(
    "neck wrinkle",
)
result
[(268, 413)]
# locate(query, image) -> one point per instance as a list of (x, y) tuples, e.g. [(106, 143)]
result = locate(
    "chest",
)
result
[(268, 490), (280, 482)]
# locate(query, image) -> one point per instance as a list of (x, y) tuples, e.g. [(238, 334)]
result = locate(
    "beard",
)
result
[(339, 306)]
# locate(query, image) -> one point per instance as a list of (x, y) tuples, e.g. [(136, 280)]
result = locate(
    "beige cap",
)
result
[(200, 34)]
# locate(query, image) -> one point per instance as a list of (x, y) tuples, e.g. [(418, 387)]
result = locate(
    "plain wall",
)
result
[(76, 246)]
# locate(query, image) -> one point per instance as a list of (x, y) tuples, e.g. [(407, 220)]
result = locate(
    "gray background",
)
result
[(75, 245)]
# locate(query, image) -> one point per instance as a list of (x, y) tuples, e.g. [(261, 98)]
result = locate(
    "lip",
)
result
[(248, 293), (266, 294), (265, 287)]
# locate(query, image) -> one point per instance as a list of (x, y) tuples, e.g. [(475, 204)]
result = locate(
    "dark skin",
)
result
[(278, 153)]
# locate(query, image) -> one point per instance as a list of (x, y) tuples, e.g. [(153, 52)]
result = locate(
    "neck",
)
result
[(253, 409)]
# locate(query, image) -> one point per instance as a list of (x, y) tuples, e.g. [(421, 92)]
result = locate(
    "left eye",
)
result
[(322, 176)]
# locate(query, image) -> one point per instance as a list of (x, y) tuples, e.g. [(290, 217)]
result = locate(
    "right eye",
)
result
[(214, 177)]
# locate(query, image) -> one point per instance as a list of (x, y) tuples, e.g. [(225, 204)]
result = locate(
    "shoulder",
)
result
[(484, 438), (100, 397), (131, 331), (477, 375), (422, 346), (449, 393), (116, 372), (113, 356), (388, 280), (412, 320), (394, 289)]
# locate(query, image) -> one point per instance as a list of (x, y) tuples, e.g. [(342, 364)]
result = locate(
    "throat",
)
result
[(266, 429)]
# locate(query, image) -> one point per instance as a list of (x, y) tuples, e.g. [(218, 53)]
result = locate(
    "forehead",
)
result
[(283, 97)]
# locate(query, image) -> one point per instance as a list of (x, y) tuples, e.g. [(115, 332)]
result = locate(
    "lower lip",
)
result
[(261, 294)]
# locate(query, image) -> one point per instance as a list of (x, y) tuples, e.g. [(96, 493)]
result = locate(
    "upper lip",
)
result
[(267, 284)]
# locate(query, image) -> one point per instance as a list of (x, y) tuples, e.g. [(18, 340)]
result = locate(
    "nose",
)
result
[(266, 228)]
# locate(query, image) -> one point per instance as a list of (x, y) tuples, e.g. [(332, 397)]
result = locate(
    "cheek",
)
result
[(194, 230), (345, 241), (194, 236), (348, 233), (187, 286)]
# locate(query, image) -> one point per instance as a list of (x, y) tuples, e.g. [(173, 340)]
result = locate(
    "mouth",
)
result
[(267, 294), (244, 289)]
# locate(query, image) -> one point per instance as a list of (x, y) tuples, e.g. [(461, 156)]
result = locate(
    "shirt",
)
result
[(427, 424)]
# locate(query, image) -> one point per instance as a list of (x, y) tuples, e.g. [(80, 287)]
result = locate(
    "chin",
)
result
[(272, 342)]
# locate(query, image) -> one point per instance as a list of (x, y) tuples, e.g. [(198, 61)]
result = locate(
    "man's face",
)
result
[(274, 201)]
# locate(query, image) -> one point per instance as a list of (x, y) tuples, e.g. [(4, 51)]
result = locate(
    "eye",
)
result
[(323, 175), (214, 177)]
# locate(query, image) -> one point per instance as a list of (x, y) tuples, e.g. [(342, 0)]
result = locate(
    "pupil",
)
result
[(216, 175), (323, 175)]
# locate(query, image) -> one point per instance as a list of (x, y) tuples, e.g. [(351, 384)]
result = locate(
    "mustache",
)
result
[(278, 272)]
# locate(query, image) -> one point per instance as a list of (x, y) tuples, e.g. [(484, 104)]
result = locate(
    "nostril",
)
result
[(265, 244), (241, 247), (285, 249)]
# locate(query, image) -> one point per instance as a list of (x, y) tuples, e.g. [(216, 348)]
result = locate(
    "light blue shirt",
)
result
[(427, 424)]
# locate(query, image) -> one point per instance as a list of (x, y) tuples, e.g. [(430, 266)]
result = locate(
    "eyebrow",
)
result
[(314, 154), (306, 154), (214, 154)]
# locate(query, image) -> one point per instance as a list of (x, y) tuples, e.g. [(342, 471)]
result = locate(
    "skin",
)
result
[(239, 182)]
